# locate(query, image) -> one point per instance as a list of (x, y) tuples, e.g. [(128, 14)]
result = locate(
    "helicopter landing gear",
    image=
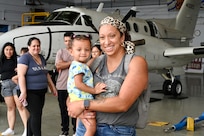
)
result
[(171, 85)]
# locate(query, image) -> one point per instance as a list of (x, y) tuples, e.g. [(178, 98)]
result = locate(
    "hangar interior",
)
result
[(163, 108)]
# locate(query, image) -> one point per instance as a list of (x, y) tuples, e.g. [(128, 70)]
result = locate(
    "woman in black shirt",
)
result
[(8, 64)]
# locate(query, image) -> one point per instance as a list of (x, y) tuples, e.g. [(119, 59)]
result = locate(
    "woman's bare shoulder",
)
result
[(138, 60)]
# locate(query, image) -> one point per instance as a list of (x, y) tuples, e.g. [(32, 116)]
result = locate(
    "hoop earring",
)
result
[(123, 44)]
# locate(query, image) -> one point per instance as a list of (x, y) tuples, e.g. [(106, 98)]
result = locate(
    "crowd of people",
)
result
[(100, 98)]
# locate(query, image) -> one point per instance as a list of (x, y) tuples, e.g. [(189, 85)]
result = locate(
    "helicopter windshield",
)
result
[(68, 17)]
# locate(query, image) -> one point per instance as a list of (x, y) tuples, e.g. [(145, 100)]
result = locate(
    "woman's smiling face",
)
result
[(8, 51), (110, 39)]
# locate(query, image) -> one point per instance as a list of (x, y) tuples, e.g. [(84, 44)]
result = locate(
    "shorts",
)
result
[(7, 88)]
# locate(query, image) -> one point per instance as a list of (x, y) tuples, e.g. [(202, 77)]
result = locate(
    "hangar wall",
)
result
[(11, 11)]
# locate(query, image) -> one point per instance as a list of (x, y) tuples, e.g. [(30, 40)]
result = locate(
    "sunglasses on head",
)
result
[(78, 36)]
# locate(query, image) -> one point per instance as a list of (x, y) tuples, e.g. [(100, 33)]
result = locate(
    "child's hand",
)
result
[(100, 87), (87, 114)]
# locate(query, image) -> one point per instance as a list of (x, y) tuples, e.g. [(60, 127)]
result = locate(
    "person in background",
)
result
[(33, 80), (62, 63), (96, 51), (8, 64), (116, 108), (1, 97), (15, 78), (23, 50), (80, 79)]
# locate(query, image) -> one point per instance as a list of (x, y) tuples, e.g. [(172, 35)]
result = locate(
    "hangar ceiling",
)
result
[(107, 3)]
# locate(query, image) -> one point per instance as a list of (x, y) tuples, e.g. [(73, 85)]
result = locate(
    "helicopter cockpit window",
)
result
[(78, 22), (87, 20), (68, 17), (51, 16)]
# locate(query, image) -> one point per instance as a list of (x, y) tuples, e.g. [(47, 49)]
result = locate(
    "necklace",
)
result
[(37, 60)]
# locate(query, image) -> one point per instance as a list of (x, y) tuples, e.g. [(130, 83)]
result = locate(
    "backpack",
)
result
[(143, 99)]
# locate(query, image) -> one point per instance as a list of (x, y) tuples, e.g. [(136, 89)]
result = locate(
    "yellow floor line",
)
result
[(158, 123)]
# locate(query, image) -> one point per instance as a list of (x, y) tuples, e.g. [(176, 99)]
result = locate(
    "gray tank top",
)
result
[(114, 81)]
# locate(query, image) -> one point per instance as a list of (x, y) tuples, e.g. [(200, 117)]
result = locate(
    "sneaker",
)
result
[(24, 132), (64, 133), (7, 132)]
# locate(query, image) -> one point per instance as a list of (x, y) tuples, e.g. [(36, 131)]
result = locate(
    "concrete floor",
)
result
[(168, 109)]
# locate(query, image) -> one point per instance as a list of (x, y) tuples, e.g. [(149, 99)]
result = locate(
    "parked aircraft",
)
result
[(165, 41)]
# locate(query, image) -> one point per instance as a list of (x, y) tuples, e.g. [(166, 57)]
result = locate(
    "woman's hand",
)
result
[(54, 91), (15, 70), (75, 108), (22, 97), (51, 85)]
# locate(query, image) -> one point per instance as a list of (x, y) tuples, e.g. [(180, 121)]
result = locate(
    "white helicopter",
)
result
[(163, 42)]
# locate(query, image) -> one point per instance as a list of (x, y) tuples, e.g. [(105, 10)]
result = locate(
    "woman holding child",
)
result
[(116, 108)]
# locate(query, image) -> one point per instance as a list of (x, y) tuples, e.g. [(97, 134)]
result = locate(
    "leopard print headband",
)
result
[(114, 22), (129, 46)]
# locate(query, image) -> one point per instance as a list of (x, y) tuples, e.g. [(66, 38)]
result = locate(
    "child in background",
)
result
[(23, 50), (15, 78), (80, 80)]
